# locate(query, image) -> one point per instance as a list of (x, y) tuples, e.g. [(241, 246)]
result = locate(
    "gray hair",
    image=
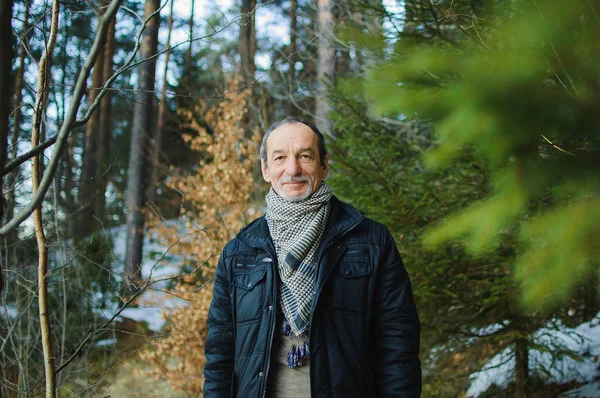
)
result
[(292, 120)]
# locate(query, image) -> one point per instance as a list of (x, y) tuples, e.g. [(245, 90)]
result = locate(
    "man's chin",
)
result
[(295, 196)]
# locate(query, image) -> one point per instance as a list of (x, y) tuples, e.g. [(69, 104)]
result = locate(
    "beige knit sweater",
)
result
[(283, 381)]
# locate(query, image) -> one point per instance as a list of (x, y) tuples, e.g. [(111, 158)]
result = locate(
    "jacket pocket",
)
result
[(353, 268), (249, 290), (350, 284)]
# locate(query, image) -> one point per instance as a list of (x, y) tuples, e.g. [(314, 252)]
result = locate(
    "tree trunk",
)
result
[(6, 57), (89, 169), (188, 54), (19, 84), (143, 122), (591, 292), (68, 182), (186, 83), (105, 127), (374, 25), (343, 15), (521, 367), (247, 51), (247, 42), (326, 65), (293, 57), (162, 111), (17, 114), (342, 64)]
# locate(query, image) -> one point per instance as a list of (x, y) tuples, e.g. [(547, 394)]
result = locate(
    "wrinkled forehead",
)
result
[(292, 136)]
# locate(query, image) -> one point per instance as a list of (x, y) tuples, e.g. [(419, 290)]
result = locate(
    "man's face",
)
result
[(293, 167)]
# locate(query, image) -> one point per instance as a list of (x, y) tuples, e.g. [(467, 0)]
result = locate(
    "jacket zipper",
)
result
[(273, 321)]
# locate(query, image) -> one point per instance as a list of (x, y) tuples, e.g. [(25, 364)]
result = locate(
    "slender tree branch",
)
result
[(448, 15), (594, 12), (557, 147), (17, 320), (129, 64), (67, 125), (106, 87), (16, 162), (560, 62), (39, 112), (96, 331)]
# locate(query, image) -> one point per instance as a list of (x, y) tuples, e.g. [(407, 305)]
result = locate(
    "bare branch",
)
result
[(16, 162), (449, 15), (38, 112), (556, 146), (129, 64), (12, 327), (67, 125)]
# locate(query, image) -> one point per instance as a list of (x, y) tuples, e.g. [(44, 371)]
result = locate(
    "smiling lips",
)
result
[(294, 181)]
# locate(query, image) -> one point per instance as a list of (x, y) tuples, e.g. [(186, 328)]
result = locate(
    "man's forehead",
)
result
[(283, 135)]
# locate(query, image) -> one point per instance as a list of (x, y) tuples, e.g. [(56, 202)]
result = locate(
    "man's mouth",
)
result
[(294, 182)]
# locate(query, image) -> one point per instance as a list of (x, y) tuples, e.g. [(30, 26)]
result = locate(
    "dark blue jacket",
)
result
[(364, 328)]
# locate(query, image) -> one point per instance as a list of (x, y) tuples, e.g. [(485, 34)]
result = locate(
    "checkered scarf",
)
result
[(296, 229)]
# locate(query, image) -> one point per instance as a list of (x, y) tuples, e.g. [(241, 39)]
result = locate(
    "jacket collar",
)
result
[(342, 218)]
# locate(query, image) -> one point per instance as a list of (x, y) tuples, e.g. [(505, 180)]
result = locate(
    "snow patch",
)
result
[(9, 311), (105, 342), (591, 390), (157, 264), (583, 340)]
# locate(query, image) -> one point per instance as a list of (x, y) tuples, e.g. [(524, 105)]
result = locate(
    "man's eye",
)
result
[(305, 157), (278, 159)]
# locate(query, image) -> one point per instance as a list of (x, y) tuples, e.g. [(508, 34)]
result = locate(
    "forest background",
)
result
[(129, 134)]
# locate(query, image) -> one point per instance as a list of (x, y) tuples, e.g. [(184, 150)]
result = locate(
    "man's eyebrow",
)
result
[(305, 149)]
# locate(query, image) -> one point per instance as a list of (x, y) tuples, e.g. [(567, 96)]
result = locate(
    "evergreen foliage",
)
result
[(481, 164), (524, 96), (377, 165)]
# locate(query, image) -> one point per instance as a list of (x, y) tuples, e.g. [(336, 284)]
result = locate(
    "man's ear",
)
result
[(325, 168), (265, 171)]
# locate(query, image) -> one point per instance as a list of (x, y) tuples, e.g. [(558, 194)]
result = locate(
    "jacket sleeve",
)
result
[(219, 347), (397, 367)]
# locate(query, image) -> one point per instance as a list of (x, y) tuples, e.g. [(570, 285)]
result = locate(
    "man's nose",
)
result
[(292, 167)]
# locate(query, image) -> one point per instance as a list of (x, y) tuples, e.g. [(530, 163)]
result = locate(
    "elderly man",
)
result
[(312, 299)]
